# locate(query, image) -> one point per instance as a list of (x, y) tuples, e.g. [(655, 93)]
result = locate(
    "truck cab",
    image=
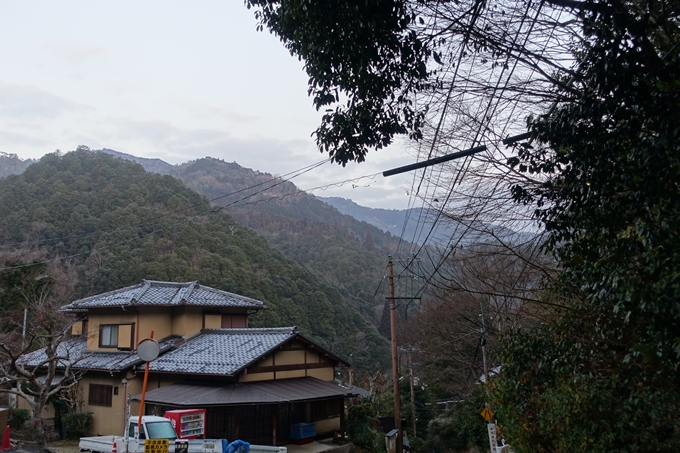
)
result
[(152, 428)]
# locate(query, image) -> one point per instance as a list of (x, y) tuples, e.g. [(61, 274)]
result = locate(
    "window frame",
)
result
[(100, 395), (101, 342), (118, 333)]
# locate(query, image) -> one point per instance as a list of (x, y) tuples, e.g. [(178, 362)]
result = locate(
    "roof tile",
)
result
[(155, 293)]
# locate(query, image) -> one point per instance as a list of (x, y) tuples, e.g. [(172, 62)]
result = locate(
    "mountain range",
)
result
[(117, 224)]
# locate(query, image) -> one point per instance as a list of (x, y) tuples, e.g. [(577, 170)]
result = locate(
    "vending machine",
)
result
[(188, 423)]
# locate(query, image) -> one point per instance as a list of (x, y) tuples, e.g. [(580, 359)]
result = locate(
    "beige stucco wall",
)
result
[(290, 374), (187, 321), (97, 319), (325, 374), (328, 425), (157, 320), (47, 412), (251, 377), (107, 420), (295, 353), (290, 357), (110, 420)]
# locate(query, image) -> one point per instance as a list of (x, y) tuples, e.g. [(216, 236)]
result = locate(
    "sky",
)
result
[(175, 80)]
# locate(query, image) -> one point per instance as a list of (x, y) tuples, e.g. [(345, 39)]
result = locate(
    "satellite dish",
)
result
[(148, 349)]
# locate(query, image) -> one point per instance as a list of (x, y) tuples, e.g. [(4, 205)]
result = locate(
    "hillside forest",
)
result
[(117, 224)]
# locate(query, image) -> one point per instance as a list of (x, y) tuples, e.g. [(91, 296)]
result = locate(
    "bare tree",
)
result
[(37, 359), (502, 283)]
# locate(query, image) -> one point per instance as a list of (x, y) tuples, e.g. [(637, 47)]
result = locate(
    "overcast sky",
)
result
[(175, 80)]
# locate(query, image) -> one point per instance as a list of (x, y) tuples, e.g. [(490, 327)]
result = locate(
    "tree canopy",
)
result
[(597, 88), (362, 58)]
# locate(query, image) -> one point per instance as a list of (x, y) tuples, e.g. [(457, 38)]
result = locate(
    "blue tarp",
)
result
[(237, 446)]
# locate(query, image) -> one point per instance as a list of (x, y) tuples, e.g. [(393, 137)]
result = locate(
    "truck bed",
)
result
[(104, 444)]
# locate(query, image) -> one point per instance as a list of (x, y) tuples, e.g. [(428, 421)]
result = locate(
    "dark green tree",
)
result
[(601, 176), (362, 58), (603, 374)]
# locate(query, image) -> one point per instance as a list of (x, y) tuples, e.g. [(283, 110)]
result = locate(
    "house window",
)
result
[(108, 336), (100, 395), (119, 336), (234, 321)]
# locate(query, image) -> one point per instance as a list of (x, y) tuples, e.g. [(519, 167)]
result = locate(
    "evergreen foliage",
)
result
[(123, 225), (361, 428), (343, 251), (359, 51), (602, 374), (18, 418), (77, 425)]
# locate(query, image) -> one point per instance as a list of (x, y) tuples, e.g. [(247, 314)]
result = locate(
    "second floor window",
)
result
[(108, 336)]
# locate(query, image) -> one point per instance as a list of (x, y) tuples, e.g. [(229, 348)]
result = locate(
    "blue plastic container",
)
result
[(302, 430)]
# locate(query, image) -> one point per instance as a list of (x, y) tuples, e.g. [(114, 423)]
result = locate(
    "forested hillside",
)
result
[(337, 247), (121, 224), (342, 250)]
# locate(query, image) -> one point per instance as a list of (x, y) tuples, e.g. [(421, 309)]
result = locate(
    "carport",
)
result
[(257, 412)]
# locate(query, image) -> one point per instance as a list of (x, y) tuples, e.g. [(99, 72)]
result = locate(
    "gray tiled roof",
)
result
[(219, 352), (222, 351), (165, 294), (75, 350)]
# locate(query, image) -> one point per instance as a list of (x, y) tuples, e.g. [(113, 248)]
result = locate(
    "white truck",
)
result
[(160, 428)]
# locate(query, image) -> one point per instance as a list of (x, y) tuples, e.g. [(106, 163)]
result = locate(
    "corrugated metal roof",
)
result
[(221, 351), (154, 293), (262, 392)]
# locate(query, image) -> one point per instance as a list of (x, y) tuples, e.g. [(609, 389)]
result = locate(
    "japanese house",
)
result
[(253, 382)]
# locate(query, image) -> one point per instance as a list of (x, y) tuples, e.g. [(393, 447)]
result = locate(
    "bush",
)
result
[(18, 418), (462, 430), (361, 422), (77, 425)]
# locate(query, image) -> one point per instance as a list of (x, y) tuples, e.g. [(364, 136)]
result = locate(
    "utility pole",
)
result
[(482, 342), (395, 357), (413, 397)]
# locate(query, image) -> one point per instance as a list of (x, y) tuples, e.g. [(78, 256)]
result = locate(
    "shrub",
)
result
[(18, 418), (361, 420), (77, 425)]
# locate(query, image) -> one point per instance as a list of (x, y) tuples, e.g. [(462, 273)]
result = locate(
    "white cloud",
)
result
[(30, 103), (168, 80)]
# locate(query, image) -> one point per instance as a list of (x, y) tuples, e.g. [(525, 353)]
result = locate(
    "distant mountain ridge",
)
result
[(344, 251), (152, 165), (415, 224), (11, 164)]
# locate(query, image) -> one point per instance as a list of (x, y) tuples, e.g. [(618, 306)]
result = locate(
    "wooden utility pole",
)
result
[(413, 396), (395, 356), (482, 342)]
